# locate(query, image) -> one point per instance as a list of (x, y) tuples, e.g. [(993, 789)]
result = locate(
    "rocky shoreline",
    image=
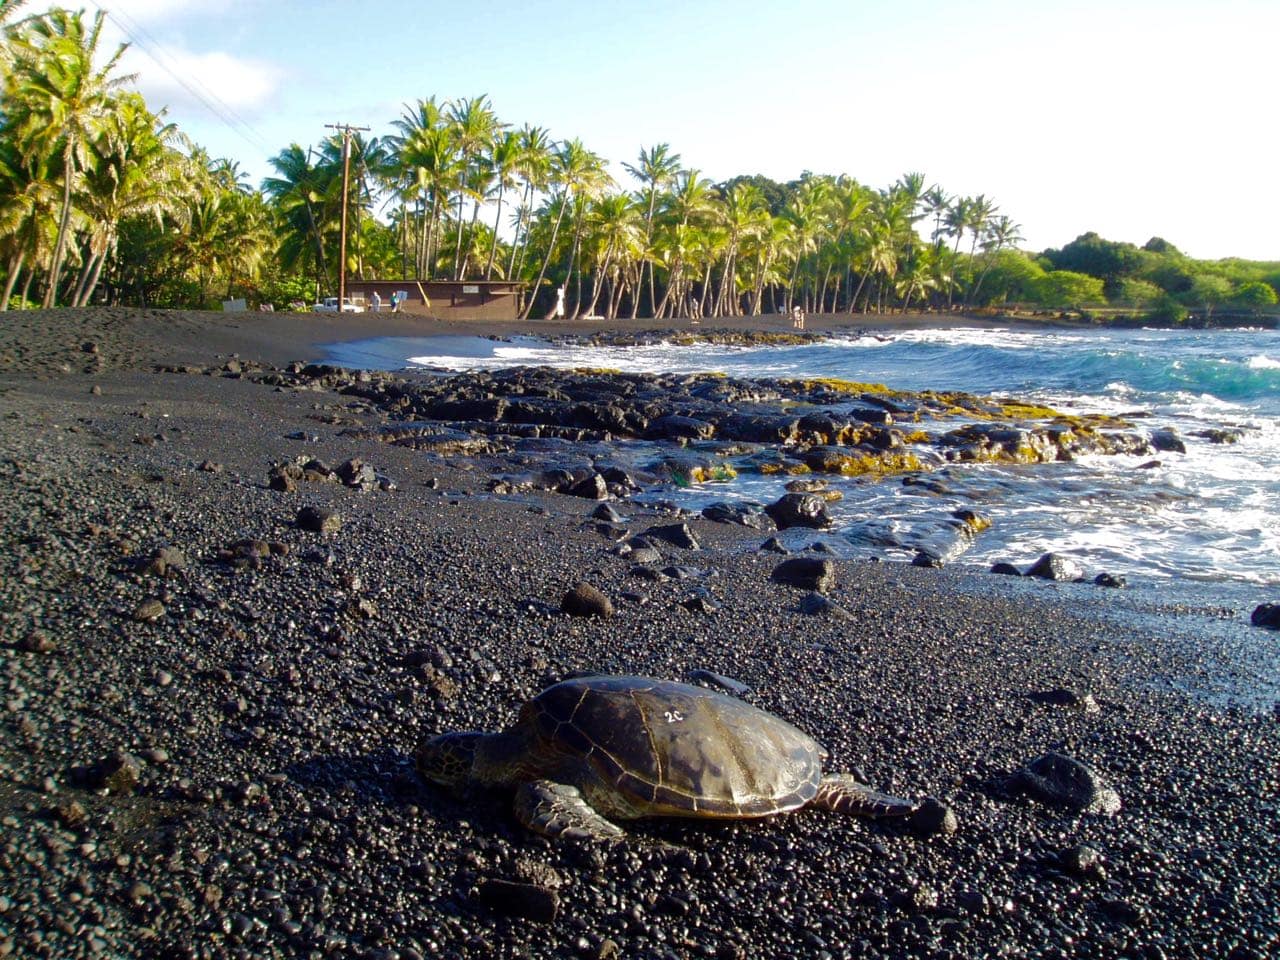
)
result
[(234, 601)]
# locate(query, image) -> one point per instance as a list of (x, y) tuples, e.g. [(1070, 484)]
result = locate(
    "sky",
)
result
[(1130, 118)]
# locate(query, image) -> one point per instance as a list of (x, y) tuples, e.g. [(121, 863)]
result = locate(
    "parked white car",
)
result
[(330, 305)]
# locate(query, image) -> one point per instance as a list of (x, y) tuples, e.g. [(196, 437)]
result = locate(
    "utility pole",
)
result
[(347, 130)]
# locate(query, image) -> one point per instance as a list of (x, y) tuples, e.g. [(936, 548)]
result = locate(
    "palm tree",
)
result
[(28, 206), (63, 102), (806, 211), (916, 279), (690, 201), (504, 160), (138, 173), (955, 223), (593, 181), (657, 169), (1001, 233), (472, 127), (745, 215), (533, 166), (762, 251), (429, 165), (850, 203), (574, 170), (297, 192), (980, 212), (936, 203), (614, 239)]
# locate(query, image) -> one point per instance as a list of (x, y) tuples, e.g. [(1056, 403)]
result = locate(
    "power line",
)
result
[(210, 100)]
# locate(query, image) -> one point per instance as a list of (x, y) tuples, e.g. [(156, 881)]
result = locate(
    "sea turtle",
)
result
[(596, 747)]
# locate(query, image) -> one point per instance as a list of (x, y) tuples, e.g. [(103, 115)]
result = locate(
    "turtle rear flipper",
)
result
[(846, 794), (558, 810)]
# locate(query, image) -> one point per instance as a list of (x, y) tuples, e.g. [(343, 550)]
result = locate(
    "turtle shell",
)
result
[(638, 747)]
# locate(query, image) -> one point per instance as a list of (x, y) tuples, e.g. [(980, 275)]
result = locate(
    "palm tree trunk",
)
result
[(598, 281), (648, 241), (93, 280), (791, 286), (546, 261), (676, 269), (457, 253), (853, 301), (26, 286), (64, 225), (635, 300), (522, 230), (762, 265), (90, 258), (493, 247), (973, 251), (321, 263), (404, 240), (429, 238), (15, 268), (983, 276), (574, 257), (719, 303), (955, 252), (471, 232), (615, 296)]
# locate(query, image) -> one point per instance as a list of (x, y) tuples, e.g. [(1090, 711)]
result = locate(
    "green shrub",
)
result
[(1167, 312)]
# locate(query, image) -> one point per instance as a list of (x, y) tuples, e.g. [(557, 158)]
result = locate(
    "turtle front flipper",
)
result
[(558, 810), (844, 793)]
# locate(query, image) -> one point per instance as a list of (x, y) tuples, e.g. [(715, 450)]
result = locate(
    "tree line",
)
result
[(103, 201)]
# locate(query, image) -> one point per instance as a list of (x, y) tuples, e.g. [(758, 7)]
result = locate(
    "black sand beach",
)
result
[(210, 711)]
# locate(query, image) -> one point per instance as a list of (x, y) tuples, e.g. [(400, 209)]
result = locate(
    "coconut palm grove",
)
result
[(104, 201)]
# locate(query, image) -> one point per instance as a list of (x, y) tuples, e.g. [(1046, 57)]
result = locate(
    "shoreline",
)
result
[(267, 684), (45, 341)]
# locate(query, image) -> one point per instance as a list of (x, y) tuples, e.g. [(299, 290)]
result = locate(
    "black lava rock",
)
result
[(527, 901), (318, 520), (807, 573), (800, 510), (1266, 615), (584, 600), (1066, 782), (1053, 566)]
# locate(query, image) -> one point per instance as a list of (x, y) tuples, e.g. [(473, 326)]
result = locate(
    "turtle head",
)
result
[(449, 760)]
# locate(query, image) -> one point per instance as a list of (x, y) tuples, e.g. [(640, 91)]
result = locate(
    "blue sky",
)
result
[(1129, 117)]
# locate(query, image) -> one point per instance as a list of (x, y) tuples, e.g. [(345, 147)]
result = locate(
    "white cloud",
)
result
[(211, 81)]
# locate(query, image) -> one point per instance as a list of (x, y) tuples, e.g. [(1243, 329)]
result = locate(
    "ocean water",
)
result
[(1209, 516)]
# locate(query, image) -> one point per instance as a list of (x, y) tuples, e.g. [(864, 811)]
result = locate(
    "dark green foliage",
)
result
[(1012, 279), (1105, 259), (1167, 312), (1068, 288), (1161, 245), (1255, 294), (776, 195), (284, 290), (1172, 276)]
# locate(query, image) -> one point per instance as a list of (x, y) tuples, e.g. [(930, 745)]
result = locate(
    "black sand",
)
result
[(269, 704)]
